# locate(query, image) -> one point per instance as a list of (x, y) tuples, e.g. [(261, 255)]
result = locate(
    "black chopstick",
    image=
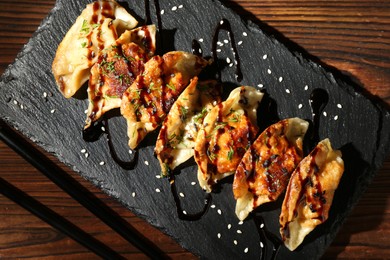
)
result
[(77, 191), (56, 221)]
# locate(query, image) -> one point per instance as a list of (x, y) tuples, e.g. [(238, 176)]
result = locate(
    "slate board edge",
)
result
[(385, 115)]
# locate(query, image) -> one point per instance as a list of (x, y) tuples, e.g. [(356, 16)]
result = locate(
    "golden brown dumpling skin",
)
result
[(97, 27), (227, 132), (265, 169), (310, 193), (148, 100), (117, 68), (176, 140)]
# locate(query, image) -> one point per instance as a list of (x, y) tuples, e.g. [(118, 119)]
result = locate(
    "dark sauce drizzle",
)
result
[(94, 132), (130, 165), (264, 235), (225, 25), (180, 213), (196, 48), (318, 100)]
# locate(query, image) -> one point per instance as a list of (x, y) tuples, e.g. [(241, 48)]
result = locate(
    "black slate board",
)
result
[(354, 123)]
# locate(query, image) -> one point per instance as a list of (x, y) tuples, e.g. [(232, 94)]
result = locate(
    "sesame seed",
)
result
[(102, 163), (280, 79), (130, 151), (158, 190), (21, 106), (306, 87), (244, 34), (52, 111), (184, 212), (193, 183), (103, 128), (44, 94), (225, 41), (86, 155), (241, 222), (181, 194), (146, 163), (219, 50), (174, 8), (336, 117), (261, 244), (339, 106), (239, 43), (260, 85), (219, 212), (229, 226), (83, 150), (219, 43), (235, 242), (300, 106), (221, 22), (219, 235), (288, 91), (265, 56), (212, 206), (85, 111), (201, 40), (180, 6), (269, 71), (133, 194), (158, 176), (231, 65), (162, 11), (239, 231), (246, 250), (15, 102), (262, 225), (324, 113), (228, 60)]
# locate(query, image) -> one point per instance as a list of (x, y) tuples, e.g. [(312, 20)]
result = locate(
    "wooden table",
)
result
[(351, 38)]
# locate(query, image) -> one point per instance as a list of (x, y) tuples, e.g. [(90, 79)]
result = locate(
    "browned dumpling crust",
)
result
[(227, 132), (148, 100), (97, 28), (116, 69), (310, 193), (176, 140), (265, 169)]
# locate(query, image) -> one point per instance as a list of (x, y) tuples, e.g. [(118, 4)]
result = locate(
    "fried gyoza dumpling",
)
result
[(310, 193), (116, 69), (265, 169), (148, 100), (176, 141), (96, 28), (228, 131)]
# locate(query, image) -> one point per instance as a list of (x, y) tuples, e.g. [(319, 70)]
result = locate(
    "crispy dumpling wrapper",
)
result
[(148, 100), (265, 169), (310, 193), (228, 131), (96, 28), (176, 140), (116, 69)]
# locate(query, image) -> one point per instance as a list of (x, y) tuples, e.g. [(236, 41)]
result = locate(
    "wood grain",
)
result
[(350, 38)]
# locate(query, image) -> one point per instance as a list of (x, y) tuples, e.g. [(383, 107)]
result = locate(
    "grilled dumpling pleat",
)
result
[(96, 28), (310, 193), (227, 132), (265, 169), (117, 68), (148, 100), (176, 141)]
